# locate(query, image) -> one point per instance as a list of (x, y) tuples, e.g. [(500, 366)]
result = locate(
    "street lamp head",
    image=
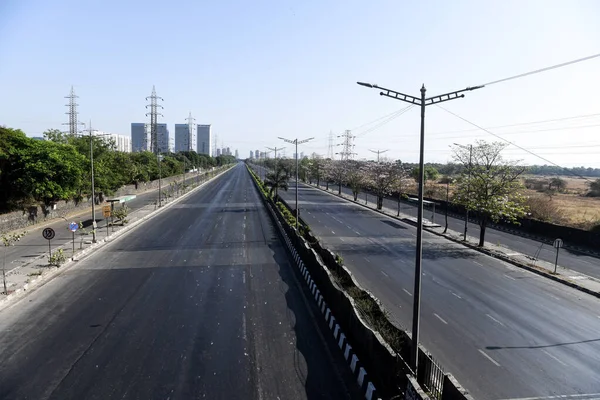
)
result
[(365, 84), (475, 87)]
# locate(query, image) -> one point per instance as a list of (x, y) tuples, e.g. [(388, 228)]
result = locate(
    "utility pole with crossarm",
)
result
[(423, 102)]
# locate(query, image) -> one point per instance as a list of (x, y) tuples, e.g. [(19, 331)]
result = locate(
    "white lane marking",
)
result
[(489, 358), (244, 277), (357, 232), (456, 295), (553, 296), (407, 292), (333, 232), (349, 227), (555, 358), (384, 274), (342, 239), (478, 263), (244, 217), (510, 277), (440, 318), (367, 260), (591, 396), (494, 319)]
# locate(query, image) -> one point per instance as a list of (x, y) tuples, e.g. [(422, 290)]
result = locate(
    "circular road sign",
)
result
[(48, 233), (73, 226)]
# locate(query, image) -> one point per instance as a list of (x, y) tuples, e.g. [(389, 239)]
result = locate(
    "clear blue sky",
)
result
[(261, 69)]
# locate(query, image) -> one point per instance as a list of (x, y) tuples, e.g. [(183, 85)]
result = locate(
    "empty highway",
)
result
[(503, 332), (569, 258), (198, 302)]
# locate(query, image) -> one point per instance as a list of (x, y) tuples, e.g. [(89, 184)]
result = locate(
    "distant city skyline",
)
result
[(268, 69)]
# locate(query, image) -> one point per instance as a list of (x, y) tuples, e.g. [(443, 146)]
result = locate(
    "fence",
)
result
[(430, 375)]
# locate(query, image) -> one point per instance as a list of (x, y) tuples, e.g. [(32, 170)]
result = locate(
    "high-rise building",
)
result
[(237, 155), (228, 151), (165, 141), (251, 155), (140, 136), (184, 140), (121, 143), (256, 154), (204, 139), (218, 152)]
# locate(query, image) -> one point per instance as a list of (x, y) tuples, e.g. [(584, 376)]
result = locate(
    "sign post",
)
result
[(558, 243), (48, 234), (73, 226), (106, 212)]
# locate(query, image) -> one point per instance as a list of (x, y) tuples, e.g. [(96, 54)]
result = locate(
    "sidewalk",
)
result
[(21, 277), (564, 275)]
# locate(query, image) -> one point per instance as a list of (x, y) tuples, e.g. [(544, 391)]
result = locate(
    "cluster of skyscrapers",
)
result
[(200, 138)]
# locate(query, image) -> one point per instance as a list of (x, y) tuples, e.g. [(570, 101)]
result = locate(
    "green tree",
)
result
[(431, 174), (493, 188), (277, 179), (557, 184), (594, 188), (55, 135)]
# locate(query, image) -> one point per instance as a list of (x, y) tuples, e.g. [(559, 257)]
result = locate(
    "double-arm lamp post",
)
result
[(422, 102), (296, 142)]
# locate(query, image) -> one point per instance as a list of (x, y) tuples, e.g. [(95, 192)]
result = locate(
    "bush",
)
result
[(544, 209), (536, 184), (57, 259)]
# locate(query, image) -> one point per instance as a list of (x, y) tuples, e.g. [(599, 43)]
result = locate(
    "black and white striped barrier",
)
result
[(362, 378)]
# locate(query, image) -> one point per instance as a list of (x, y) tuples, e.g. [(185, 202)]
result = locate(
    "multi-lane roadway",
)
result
[(569, 258), (503, 332), (198, 302)]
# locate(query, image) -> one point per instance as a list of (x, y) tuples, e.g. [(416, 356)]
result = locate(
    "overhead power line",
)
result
[(386, 121), (511, 143), (521, 123), (537, 71)]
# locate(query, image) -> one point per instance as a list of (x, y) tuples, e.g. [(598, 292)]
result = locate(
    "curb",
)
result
[(40, 280), (477, 248)]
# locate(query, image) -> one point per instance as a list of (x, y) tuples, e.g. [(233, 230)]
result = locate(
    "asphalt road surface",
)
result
[(572, 259), (198, 302), (34, 245), (503, 332)]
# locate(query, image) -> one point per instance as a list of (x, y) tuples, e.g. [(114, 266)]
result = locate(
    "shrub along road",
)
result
[(502, 331), (200, 301)]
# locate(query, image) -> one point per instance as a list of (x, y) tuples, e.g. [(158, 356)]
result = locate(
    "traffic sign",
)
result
[(558, 243), (106, 211), (48, 233), (73, 226)]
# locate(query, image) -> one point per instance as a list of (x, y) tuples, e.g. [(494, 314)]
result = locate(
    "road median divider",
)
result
[(374, 348)]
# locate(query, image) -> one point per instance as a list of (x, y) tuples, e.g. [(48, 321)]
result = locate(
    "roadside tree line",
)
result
[(43, 172), (485, 183)]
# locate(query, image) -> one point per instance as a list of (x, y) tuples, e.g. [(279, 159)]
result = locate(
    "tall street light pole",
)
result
[(378, 152), (296, 142), (93, 189), (423, 102), (275, 149)]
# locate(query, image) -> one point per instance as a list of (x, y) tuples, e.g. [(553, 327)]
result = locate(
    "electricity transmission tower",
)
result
[(330, 148), (378, 152), (347, 146), (72, 113), (154, 106)]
